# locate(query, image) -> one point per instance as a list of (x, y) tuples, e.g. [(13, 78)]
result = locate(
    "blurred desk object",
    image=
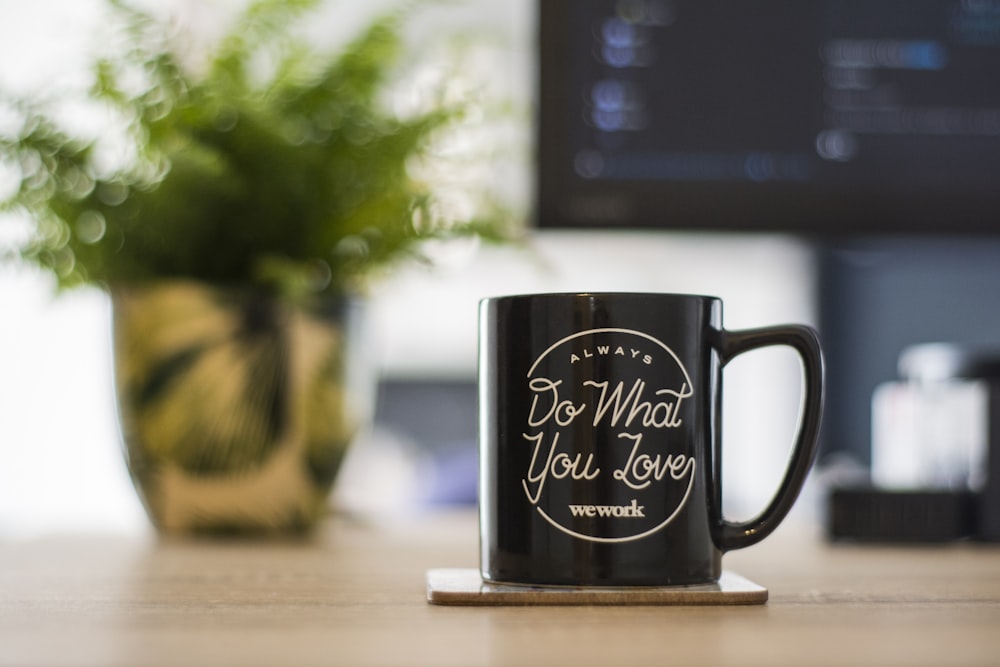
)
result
[(355, 595)]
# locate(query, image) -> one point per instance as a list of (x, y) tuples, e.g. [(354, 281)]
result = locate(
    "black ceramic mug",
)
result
[(600, 453)]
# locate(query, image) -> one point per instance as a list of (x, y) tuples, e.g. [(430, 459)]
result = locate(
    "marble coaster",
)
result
[(466, 587)]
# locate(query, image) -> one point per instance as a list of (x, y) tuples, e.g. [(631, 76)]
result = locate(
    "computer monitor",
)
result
[(818, 117), (871, 128)]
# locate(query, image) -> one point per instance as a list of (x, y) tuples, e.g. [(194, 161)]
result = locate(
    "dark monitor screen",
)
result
[(818, 117)]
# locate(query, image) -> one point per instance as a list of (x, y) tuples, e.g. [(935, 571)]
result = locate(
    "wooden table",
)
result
[(355, 595)]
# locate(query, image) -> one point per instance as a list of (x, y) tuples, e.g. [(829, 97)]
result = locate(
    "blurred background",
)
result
[(872, 293)]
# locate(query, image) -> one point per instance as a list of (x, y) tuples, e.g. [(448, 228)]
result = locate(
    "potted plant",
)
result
[(234, 209)]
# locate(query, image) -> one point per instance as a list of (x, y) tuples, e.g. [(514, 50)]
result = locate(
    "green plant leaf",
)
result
[(275, 162)]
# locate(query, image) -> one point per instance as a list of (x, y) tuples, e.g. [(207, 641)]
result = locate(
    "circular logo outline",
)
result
[(694, 465)]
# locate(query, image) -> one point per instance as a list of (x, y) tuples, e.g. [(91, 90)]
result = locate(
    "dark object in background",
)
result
[(438, 416), (932, 515), (989, 498), (877, 515)]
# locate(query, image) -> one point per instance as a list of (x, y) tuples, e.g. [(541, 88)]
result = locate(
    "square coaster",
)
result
[(466, 587)]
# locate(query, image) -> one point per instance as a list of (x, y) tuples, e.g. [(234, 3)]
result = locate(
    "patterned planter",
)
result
[(236, 407)]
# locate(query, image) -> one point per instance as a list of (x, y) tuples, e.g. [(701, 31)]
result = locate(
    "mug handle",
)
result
[(729, 535)]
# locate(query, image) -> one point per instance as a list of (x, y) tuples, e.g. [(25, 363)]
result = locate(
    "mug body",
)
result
[(599, 439)]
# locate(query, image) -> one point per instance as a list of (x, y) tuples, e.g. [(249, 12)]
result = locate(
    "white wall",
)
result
[(60, 466)]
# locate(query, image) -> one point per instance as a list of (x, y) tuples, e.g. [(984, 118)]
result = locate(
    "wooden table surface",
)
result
[(355, 595)]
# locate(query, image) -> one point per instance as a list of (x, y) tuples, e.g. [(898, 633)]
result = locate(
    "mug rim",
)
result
[(599, 294)]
